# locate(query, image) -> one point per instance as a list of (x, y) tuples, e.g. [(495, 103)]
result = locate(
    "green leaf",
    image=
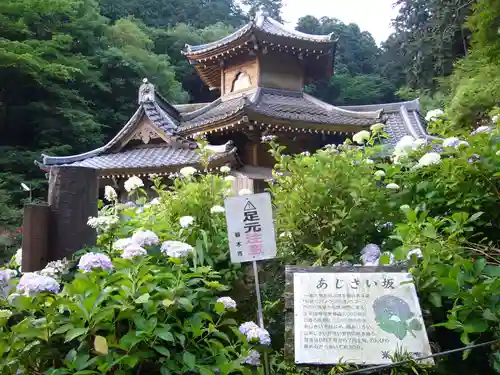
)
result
[(186, 304), (219, 308), (101, 345), (74, 333), (130, 340), (474, 217), (435, 299), (162, 350), (189, 359), (143, 299), (488, 315), (164, 334), (165, 371), (493, 271), (475, 326), (167, 302), (62, 329)]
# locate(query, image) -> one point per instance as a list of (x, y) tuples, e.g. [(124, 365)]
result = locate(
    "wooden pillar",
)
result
[(73, 195), (36, 223)]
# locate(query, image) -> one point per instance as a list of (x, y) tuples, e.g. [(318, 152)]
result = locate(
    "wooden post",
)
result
[(73, 195), (36, 222)]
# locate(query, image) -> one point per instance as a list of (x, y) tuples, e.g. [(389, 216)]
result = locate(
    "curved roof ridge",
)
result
[(410, 105), (199, 111), (372, 114), (192, 49), (299, 34), (55, 160)]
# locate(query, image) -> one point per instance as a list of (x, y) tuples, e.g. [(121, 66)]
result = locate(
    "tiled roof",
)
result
[(403, 118), (278, 104), (215, 111), (261, 23), (297, 106), (145, 157)]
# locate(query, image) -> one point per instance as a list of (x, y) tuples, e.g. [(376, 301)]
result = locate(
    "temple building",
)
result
[(261, 71)]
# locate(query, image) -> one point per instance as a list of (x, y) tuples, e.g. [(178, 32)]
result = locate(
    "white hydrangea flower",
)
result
[(497, 153), (404, 207), (245, 192), (392, 186), (228, 302), (267, 138), (404, 145), (369, 161), (247, 326), (417, 252), (217, 210), (110, 194), (494, 119), (145, 238), (31, 283), (133, 183), (379, 173), (361, 137), (176, 249), (186, 221), (122, 243), (18, 258), (103, 223), (229, 178), (419, 143), (133, 250), (7, 275), (259, 335), (377, 127), (5, 314), (188, 171), (155, 201), (90, 261), (433, 114), (56, 269), (429, 159), (225, 169)]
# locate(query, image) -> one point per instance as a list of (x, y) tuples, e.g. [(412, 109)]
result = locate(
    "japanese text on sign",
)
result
[(250, 228), (361, 318)]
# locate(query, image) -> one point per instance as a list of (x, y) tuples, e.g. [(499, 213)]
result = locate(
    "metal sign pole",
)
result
[(260, 314)]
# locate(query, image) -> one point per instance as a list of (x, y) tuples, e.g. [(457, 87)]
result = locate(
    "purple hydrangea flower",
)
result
[(253, 358), (245, 327), (370, 255), (176, 249), (7, 275), (94, 260), (31, 283), (473, 158)]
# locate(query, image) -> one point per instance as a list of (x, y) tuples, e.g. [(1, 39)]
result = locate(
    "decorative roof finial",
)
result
[(146, 92), (262, 11)]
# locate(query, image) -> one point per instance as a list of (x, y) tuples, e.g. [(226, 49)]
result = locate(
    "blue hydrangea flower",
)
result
[(259, 335), (245, 327)]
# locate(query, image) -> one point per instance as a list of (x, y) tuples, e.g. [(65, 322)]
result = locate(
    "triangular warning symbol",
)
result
[(249, 207)]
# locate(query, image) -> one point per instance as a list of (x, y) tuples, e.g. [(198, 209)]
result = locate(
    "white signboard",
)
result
[(250, 228), (361, 318)]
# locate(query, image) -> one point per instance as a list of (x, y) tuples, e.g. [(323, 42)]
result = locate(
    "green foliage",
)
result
[(153, 313)]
